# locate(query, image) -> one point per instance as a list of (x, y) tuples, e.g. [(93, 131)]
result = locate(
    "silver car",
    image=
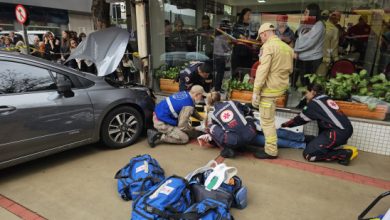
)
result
[(46, 108)]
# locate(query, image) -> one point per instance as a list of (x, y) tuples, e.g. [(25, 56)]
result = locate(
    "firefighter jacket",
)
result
[(276, 65), (331, 43)]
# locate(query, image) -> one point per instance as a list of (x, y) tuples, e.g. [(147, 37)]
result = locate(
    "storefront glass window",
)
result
[(333, 40)]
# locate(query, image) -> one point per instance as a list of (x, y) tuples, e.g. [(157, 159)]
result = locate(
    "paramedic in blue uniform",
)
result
[(334, 128), (172, 116), (232, 125), (198, 73)]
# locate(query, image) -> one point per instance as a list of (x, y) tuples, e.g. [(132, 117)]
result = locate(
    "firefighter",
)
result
[(171, 117), (334, 128), (198, 73), (272, 81), (232, 126)]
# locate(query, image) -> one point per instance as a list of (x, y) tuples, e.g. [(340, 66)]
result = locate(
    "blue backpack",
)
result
[(138, 176), (167, 200), (207, 209), (235, 196)]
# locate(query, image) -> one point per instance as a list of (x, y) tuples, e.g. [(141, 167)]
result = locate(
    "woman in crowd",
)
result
[(82, 36), (65, 46), (52, 47), (221, 53), (242, 52), (8, 43), (21, 47), (35, 50), (309, 44), (74, 63)]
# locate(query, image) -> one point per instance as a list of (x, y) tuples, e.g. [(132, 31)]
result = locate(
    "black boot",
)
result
[(261, 154), (153, 136), (227, 153), (347, 159)]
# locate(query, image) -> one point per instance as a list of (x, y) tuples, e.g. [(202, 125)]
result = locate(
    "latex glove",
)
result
[(201, 127), (255, 100), (204, 139)]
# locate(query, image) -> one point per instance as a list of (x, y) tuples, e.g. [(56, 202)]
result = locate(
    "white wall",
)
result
[(80, 23)]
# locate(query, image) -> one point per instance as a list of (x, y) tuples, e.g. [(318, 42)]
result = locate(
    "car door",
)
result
[(32, 116)]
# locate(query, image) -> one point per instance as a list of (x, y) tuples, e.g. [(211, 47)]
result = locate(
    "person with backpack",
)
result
[(334, 128), (171, 117)]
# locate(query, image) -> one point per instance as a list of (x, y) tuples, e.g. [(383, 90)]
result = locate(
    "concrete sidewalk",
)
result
[(79, 184)]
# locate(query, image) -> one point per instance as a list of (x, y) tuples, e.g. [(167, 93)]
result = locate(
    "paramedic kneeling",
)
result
[(232, 125), (171, 117), (334, 128), (198, 73)]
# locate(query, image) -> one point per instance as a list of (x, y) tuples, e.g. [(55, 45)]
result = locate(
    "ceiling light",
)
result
[(261, 1)]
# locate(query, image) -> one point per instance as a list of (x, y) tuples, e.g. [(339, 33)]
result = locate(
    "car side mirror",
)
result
[(64, 87)]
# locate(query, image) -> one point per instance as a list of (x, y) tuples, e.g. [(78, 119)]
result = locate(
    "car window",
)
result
[(19, 77), (60, 76)]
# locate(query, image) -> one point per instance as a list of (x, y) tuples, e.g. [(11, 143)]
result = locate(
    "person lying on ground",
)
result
[(232, 127)]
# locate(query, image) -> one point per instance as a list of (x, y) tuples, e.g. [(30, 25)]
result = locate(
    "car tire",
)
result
[(116, 134)]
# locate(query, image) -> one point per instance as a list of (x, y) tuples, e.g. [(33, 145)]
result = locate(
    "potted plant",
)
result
[(167, 78), (343, 87), (242, 91)]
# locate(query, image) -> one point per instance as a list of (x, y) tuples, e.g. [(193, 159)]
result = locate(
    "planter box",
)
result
[(360, 110), (246, 97), (169, 85)]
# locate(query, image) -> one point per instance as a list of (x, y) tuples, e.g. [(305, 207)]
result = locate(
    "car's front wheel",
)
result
[(121, 127)]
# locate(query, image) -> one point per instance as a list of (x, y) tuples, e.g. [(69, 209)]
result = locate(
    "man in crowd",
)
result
[(283, 31), (331, 43), (358, 34), (206, 33)]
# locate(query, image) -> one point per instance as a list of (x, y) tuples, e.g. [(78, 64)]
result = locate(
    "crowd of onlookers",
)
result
[(58, 49), (47, 46), (319, 41)]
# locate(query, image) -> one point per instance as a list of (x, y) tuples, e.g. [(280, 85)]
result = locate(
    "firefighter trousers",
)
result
[(267, 120)]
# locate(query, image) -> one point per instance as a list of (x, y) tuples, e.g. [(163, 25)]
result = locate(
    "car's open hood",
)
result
[(105, 48)]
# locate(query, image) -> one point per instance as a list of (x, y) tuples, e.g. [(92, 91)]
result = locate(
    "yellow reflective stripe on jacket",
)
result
[(271, 139), (265, 104), (268, 91)]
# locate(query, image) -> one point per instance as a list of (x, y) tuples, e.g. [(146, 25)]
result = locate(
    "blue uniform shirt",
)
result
[(168, 110)]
